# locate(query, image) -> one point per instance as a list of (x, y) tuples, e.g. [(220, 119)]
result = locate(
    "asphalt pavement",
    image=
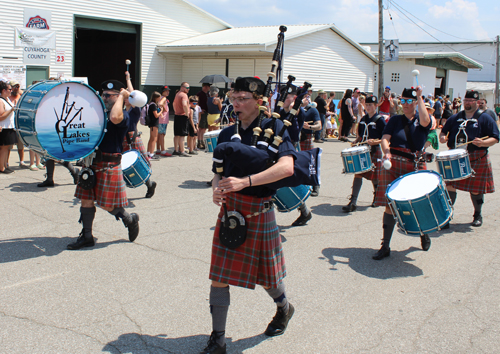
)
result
[(151, 296)]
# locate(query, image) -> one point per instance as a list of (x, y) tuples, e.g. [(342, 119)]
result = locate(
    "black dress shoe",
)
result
[(151, 190), (46, 183), (349, 207), (446, 227), (302, 219), (280, 321), (213, 347), (315, 191), (478, 221), (425, 241), (133, 227), (382, 253), (81, 242)]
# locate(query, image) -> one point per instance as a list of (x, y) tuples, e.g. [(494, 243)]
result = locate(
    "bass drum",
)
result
[(63, 121)]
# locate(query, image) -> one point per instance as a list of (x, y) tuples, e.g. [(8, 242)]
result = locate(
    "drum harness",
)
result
[(87, 177), (464, 138)]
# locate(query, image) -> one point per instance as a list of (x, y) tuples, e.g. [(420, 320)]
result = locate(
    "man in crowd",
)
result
[(181, 110)]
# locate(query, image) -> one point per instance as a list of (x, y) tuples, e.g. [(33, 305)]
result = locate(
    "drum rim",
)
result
[(462, 153), (46, 153), (361, 149), (440, 182)]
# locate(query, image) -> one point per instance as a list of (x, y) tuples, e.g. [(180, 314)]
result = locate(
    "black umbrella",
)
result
[(212, 79)]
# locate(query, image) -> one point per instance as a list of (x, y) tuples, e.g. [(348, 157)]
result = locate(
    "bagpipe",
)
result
[(264, 149)]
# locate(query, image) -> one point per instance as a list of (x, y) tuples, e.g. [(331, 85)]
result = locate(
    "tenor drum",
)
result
[(61, 120), (290, 198), (454, 164), (210, 139), (357, 159), (420, 202), (136, 170)]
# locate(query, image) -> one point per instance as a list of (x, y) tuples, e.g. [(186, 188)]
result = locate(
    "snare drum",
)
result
[(454, 164), (420, 202), (136, 170), (61, 120), (290, 198), (357, 159), (210, 139)]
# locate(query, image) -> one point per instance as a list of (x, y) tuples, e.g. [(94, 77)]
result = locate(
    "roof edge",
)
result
[(207, 13)]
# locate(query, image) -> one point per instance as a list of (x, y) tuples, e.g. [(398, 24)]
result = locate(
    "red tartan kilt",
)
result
[(308, 143), (373, 174), (109, 191), (400, 167), (137, 144), (482, 181), (260, 259)]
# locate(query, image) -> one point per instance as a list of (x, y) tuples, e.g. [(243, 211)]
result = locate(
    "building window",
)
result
[(395, 77)]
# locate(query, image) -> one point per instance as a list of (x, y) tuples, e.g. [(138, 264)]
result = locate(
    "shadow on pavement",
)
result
[(18, 249), (27, 187), (135, 343), (360, 260), (191, 184), (334, 210)]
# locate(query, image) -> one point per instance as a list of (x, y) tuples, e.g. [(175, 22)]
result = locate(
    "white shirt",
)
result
[(7, 123)]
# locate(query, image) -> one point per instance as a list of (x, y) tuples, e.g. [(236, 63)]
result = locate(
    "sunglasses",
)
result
[(108, 95), (195, 103), (407, 100), (186, 87)]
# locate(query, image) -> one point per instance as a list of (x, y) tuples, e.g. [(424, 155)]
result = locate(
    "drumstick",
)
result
[(364, 142), (484, 137), (214, 124)]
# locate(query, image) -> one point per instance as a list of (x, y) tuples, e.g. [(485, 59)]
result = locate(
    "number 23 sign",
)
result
[(60, 57)]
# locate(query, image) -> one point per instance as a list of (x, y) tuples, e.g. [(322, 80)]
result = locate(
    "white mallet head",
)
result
[(138, 98), (415, 72), (387, 164), (128, 62)]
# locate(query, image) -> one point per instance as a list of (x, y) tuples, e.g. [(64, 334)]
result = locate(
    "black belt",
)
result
[(406, 155), (115, 158)]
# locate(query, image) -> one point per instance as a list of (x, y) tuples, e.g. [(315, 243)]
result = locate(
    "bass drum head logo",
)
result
[(70, 121)]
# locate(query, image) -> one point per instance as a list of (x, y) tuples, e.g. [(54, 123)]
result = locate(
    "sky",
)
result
[(445, 21)]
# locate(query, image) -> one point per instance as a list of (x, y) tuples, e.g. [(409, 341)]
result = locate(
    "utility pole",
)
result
[(497, 76), (381, 48)]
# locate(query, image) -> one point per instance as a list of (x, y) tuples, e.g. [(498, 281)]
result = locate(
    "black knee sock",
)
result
[(87, 219), (149, 184), (279, 296), (122, 214), (50, 166), (453, 197), (69, 166), (219, 306), (356, 187), (304, 210), (477, 201), (388, 226)]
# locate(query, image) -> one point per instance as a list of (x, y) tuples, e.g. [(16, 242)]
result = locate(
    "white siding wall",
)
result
[(426, 79), (241, 67), (328, 61), (457, 80), (193, 70), (162, 21)]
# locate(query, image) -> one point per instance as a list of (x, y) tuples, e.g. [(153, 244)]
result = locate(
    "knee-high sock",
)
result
[(356, 187), (50, 166), (69, 166), (388, 226), (453, 196), (477, 201), (87, 219), (304, 210), (219, 306), (279, 296), (122, 214)]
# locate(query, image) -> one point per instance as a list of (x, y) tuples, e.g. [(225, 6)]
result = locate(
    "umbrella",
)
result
[(212, 79)]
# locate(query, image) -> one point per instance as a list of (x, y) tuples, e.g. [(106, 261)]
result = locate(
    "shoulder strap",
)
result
[(375, 118), (409, 139)]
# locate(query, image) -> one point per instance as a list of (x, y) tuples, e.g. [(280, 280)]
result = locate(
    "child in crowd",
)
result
[(193, 124)]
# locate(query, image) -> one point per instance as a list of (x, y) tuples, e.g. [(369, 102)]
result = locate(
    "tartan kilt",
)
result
[(373, 174), (109, 191), (400, 167), (259, 260), (308, 143), (137, 144), (482, 181)]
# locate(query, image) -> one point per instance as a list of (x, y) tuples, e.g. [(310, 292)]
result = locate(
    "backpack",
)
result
[(144, 118)]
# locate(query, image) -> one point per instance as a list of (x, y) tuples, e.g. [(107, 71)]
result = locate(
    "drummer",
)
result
[(109, 190), (296, 130), (133, 140), (480, 132), (403, 136), (370, 130)]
